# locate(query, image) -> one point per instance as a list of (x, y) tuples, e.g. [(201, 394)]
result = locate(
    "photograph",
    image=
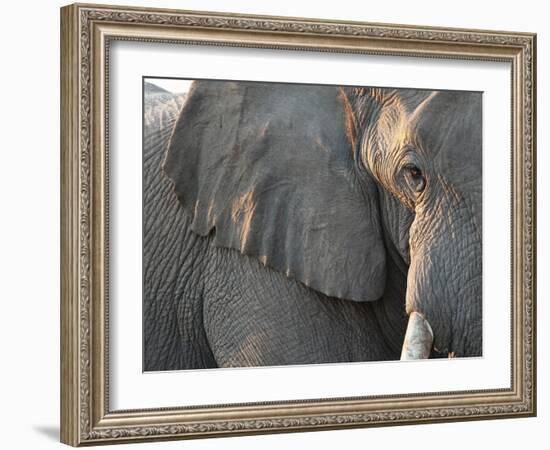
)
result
[(243, 225), (280, 224), (291, 224)]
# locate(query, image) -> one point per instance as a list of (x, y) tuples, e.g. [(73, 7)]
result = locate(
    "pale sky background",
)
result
[(171, 84)]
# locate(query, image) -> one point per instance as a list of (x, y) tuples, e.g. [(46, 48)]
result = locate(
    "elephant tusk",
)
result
[(418, 338)]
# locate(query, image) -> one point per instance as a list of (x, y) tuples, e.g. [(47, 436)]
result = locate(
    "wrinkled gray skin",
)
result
[(296, 224)]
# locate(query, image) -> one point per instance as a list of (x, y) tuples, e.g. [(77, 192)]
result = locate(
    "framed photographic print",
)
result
[(275, 224)]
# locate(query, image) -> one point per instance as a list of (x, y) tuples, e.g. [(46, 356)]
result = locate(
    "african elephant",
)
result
[(298, 224)]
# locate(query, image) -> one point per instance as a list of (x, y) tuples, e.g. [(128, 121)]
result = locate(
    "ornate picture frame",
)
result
[(87, 32)]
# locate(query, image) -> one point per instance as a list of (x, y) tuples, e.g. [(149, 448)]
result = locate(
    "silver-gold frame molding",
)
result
[(86, 31)]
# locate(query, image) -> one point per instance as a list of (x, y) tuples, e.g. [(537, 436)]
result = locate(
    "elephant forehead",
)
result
[(448, 130)]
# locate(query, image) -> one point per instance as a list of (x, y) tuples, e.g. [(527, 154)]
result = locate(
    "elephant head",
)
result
[(324, 184), (425, 150)]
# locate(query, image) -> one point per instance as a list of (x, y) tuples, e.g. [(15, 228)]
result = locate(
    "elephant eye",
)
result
[(415, 178), (415, 171)]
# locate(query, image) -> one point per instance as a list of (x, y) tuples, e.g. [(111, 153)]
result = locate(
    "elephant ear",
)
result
[(269, 170)]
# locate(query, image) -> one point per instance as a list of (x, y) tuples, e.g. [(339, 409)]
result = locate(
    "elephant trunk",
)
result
[(418, 338)]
